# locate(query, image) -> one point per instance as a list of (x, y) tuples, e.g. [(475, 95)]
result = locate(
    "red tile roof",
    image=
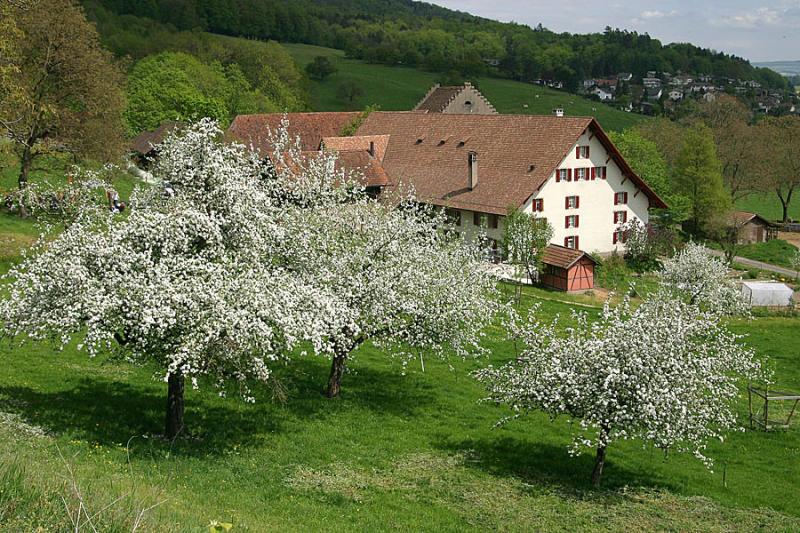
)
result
[(358, 142), (562, 257), (254, 130), (438, 98), (516, 154), (429, 151)]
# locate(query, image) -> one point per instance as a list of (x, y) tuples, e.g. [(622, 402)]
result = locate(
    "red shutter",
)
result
[(566, 202), (616, 199), (588, 151), (566, 242), (577, 202), (558, 175), (615, 217), (593, 172), (624, 216), (569, 174), (577, 152), (577, 220), (577, 245), (615, 238), (541, 204), (566, 221), (626, 197)]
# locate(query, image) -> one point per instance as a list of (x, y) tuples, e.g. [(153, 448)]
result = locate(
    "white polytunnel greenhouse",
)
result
[(767, 294)]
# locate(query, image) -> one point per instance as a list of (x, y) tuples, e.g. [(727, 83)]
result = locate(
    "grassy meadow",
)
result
[(401, 88), (411, 450)]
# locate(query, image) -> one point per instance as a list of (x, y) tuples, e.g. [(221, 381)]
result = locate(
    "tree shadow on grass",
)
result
[(111, 412), (552, 466)]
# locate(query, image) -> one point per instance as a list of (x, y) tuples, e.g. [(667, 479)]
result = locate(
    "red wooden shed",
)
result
[(566, 269)]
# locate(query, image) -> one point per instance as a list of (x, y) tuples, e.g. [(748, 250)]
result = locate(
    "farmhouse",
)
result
[(477, 167)]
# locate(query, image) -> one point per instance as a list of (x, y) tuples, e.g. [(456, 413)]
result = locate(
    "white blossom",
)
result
[(702, 279), (665, 372)]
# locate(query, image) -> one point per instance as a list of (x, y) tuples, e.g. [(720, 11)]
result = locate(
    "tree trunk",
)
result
[(335, 379), (599, 462), (25, 167), (174, 421)]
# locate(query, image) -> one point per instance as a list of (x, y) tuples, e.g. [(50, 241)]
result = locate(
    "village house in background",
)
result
[(478, 166)]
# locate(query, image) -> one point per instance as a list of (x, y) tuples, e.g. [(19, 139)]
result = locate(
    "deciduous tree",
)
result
[(665, 373), (67, 90), (698, 176), (780, 166), (396, 277), (699, 278), (525, 238), (186, 281)]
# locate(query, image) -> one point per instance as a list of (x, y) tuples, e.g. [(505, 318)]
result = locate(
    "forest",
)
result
[(423, 35)]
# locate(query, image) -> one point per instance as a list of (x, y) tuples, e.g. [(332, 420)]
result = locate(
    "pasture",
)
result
[(401, 88)]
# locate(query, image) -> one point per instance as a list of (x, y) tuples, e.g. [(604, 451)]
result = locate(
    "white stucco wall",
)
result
[(596, 210)]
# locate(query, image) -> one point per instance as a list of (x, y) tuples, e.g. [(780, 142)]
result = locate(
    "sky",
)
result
[(758, 31)]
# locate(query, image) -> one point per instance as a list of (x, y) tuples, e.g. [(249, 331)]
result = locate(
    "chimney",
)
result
[(472, 158), (372, 148), (559, 111)]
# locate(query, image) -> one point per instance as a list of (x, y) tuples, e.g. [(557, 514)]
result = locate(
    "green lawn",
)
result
[(401, 88), (409, 452), (775, 252), (768, 206)]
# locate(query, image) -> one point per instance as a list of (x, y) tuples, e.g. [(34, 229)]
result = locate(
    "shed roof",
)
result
[(562, 257), (147, 140), (741, 218)]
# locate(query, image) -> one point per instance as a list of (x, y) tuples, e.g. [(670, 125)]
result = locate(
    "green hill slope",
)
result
[(400, 88)]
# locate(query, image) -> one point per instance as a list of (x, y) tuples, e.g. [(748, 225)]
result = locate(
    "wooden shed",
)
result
[(567, 269), (754, 228)]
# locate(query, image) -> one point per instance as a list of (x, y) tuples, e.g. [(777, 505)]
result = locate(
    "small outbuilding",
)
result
[(767, 294), (143, 146), (567, 269), (754, 228)]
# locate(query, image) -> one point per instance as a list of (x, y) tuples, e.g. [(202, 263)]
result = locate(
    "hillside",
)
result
[(439, 39), (400, 88), (785, 68)]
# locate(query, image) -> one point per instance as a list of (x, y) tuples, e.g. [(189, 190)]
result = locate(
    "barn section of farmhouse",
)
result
[(566, 269)]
